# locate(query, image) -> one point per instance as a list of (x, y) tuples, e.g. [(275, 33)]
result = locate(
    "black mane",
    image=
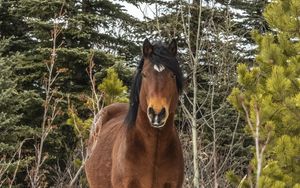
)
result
[(160, 56)]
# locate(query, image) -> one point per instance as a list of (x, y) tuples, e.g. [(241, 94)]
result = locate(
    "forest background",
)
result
[(238, 117)]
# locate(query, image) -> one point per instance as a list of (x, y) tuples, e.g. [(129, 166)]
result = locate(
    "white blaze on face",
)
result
[(159, 68)]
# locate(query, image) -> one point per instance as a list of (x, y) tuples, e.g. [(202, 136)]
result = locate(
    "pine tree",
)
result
[(85, 25), (113, 88), (103, 26), (15, 133), (269, 94)]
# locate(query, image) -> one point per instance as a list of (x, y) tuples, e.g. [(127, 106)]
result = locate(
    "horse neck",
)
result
[(143, 132)]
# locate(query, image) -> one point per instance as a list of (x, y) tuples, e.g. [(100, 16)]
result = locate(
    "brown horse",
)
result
[(136, 145)]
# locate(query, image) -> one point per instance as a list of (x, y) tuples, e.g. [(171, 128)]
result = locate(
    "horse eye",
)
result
[(144, 75)]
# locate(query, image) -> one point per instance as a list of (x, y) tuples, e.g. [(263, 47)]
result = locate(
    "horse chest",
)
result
[(149, 166)]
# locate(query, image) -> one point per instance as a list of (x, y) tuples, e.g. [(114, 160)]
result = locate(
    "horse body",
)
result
[(148, 159), (144, 152), (98, 166)]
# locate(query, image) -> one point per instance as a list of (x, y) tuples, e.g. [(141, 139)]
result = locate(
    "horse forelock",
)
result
[(160, 56)]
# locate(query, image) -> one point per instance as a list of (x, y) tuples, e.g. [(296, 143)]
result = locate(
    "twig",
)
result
[(48, 119)]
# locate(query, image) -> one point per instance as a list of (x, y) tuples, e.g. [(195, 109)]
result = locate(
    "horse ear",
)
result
[(147, 48), (173, 47)]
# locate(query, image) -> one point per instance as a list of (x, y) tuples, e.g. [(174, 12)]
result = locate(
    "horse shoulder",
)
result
[(108, 113)]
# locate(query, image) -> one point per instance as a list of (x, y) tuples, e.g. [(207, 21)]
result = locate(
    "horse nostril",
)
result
[(151, 111), (162, 113)]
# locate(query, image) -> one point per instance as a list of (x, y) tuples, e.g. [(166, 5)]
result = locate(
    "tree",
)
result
[(113, 88), (269, 95), (15, 133), (212, 37), (103, 26)]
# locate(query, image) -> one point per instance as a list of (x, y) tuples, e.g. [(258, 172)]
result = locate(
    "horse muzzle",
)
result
[(157, 119)]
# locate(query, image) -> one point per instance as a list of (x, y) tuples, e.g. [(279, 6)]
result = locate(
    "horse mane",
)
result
[(160, 56)]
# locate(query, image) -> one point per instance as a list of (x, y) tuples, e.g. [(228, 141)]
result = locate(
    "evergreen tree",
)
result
[(85, 24), (269, 94), (103, 26), (113, 88), (15, 133), (13, 26)]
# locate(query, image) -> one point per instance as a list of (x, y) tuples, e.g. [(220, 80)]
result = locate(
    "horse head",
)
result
[(157, 84)]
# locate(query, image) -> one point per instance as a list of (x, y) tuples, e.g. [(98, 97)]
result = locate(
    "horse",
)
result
[(136, 145)]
